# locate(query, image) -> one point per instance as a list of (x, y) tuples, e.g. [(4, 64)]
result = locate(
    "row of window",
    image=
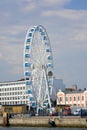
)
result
[(13, 103), (13, 98), (12, 88), (10, 84), (12, 93), (72, 98)]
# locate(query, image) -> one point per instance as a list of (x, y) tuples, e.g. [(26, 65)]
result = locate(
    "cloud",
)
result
[(56, 2), (29, 6), (12, 53), (0, 56), (80, 36), (66, 14), (32, 5), (68, 36), (12, 34), (47, 2), (12, 57), (11, 49), (69, 27), (67, 30)]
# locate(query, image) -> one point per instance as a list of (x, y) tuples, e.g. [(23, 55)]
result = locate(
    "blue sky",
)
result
[(66, 24)]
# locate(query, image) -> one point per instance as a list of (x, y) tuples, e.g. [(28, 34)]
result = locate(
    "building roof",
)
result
[(74, 91)]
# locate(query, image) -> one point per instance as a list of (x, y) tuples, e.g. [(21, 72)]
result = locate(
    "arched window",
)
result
[(74, 98)]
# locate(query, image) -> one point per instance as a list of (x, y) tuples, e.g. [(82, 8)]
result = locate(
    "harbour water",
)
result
[(39, 128)]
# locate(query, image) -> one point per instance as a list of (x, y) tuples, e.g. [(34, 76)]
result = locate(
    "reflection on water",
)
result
[(39, 128)]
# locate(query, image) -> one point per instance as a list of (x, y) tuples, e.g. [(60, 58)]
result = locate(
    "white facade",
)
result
[(12, 93)]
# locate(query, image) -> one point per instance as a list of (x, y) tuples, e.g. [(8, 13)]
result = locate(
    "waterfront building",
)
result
[(72, 97), (12, 93), (14, 109)]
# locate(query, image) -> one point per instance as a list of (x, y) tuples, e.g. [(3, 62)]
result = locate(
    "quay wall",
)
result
[(43, 121)]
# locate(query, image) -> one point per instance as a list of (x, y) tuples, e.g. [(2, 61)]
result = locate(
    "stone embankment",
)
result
[(42, 121)]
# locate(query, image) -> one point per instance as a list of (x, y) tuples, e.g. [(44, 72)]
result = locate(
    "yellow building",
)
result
[(14, 109)]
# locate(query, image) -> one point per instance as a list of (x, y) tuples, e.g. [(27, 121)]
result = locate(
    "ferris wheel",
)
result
[(38, 66)]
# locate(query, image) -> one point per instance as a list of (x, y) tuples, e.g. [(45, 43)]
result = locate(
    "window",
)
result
[(78, 105), (16, 88), (66, 98), (86, 103), (82, 105), (60, 98), (15, 93), (23, 88), (74, 98), (70, 98), (7, 89), (78, 98), (82, 97)]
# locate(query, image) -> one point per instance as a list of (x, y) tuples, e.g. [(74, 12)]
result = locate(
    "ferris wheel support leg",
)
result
[(37, 108), (28, 108), (49, 101), (40, 87), (50, 105)]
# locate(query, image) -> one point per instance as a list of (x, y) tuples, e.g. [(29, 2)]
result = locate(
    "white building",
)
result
[(12, 93)]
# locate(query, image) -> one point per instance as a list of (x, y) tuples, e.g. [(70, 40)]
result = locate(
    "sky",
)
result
[(66, 24)]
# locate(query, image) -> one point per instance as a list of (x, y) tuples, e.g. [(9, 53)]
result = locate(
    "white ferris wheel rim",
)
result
[(38, 51)]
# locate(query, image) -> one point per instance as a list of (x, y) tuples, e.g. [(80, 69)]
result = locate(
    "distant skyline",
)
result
[(66, 24)]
